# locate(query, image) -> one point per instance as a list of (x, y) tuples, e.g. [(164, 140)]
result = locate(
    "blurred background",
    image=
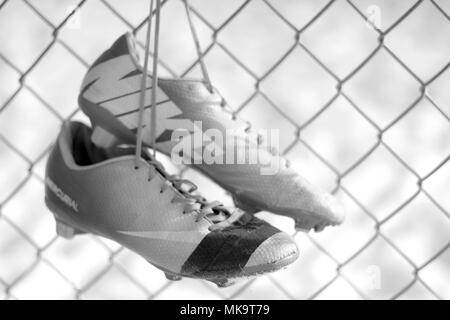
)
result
[(359, 90)]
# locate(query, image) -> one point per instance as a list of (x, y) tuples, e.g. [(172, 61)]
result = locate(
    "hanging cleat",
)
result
[(108, 193), (110, 97)]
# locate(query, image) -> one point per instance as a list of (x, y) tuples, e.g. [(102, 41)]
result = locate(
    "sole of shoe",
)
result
[(230, 278), (305, 222), (68, 230)]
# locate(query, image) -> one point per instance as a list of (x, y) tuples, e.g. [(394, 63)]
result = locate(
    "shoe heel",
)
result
[(103, 138), (63, 229)]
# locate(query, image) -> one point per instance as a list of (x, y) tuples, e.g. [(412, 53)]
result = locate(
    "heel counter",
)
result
[(102, 81), (57, 175), (118, 48)]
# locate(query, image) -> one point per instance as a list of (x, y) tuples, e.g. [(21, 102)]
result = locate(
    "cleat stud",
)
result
[(319, 227), (64, 230), (223, 283), (172, 277), (301, 225), (243, 206), (306, 224)]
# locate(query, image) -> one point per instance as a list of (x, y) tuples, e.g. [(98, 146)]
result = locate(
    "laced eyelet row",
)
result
[(191, 200)]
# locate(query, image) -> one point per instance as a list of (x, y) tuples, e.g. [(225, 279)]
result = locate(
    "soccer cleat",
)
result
[(110, 97), (107, 193)]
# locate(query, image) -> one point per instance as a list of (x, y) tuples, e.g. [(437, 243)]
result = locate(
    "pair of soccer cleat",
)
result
[(98, 181)]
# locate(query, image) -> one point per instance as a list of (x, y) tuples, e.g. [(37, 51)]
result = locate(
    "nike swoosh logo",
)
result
[(175, 236)]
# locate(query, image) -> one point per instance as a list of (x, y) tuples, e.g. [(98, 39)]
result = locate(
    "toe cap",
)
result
[(277, 251)]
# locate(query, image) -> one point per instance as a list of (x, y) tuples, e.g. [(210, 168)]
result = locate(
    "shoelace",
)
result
[(190, 199), (210, 87), (192, 202)]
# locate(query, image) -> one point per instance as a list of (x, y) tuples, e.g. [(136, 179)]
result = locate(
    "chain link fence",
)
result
[(359, 90)]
